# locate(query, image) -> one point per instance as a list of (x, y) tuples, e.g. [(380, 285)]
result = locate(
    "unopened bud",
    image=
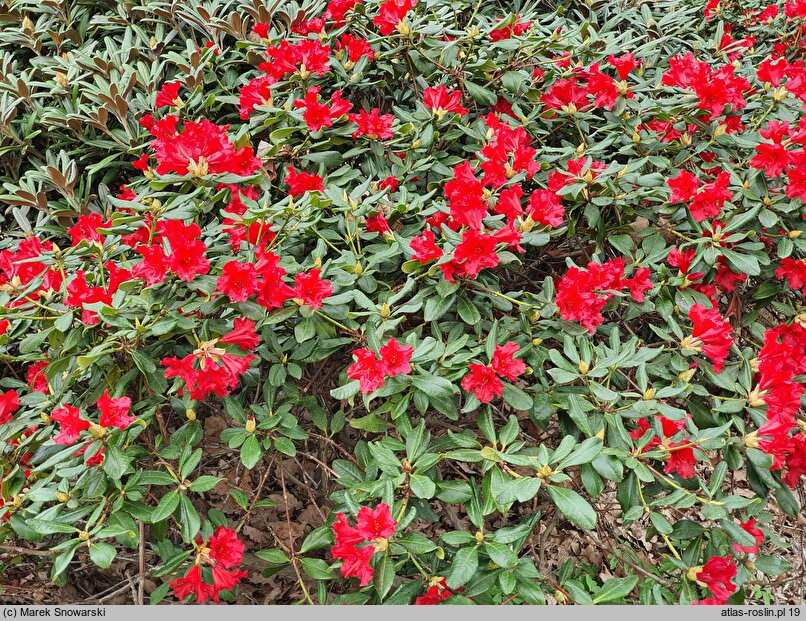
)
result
[(84, 535), (793, 234), (649, 393), (190, 413), (250, 424), (386, 310), (583, 367), (479, 536), (685, 376), (62, 496)]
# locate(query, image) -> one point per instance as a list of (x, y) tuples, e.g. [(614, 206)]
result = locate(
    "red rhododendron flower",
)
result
[(623, 64), (200, 149), (425, 249), (373, 124), (680, 457), (301, 182), (222, 551), (465, 195), (392, 13), (505, 364), (9, 403), (238, 281), (225, 548), (396, 358), (375, 524), (242, 334), (86, 228), (441, 101), (318, 115), (794, 271), (4, 324), (545, 208), (513, 29), (475, 252), (192, 584), (35, 377), (71, 424), (750, 527), (311, 289), (115, 412), (437, 593), (482, 382), (378, 224), (716, 576), (368, 370), (711, 335), (257, 92), (356, 47), (168, 95)]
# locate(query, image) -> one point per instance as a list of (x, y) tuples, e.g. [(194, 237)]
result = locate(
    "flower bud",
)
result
[(62, 496), (84, 535), (649, 393), (583, 367), (190, 413), (685, 376), (479, 536), (386, 310), (250, 424), (793, 234)]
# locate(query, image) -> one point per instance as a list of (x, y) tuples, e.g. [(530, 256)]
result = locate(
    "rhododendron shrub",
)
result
[(404, 302)]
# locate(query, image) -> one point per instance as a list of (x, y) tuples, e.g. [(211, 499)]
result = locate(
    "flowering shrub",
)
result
[(472, 286)]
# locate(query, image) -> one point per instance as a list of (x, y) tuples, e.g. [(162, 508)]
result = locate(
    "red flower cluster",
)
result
[(436, 594), (705, 201), (301, 182), (222, 552), (185, 255), (711, 335), (318, 115), (571, 94), (114, 413), (373, 124), (201, 148), (483, 380), (18, 270), (9, 403), (441, 101), (583, 293), (371, 372), (80, 293), (794, 271), (750, 528), (780, 361), (681, 454), (392, 16), (217, 371), (373, 527), (716, 575), (304, 57), (714, 89)]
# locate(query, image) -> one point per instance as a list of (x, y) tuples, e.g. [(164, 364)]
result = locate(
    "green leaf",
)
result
[(318, 538), (251, 452), (273, 556), (115, 463), (285, 446), (316, 568), (166, 507), (464, 565), (615, 588), (772, 565), (102, 554), (189, 519), (422, 486), (574, 507), (660, 523), (384, 576), (204, 483)]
